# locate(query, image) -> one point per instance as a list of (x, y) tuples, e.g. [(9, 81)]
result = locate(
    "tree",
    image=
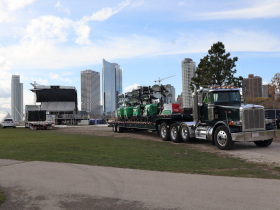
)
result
[(274, 88), (216, 68)]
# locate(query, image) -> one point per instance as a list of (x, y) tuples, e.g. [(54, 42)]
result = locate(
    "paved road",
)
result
[(45, 185)]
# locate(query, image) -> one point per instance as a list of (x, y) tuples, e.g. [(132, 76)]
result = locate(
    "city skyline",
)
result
[(52, 41)]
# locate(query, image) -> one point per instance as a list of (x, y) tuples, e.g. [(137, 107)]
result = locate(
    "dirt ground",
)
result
[(245, 150)]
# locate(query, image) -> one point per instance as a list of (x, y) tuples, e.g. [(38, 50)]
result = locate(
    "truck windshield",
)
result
[(227, 97)]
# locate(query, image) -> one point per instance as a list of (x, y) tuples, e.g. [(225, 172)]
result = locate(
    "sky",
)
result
[(52, 41)]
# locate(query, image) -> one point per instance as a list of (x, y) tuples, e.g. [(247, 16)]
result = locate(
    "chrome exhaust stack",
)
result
[(195, 105)]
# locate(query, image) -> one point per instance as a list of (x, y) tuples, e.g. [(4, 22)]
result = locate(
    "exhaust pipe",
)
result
[(195, 106)]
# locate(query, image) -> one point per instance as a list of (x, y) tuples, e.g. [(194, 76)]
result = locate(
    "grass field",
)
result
[(2, 197), (51, 145)]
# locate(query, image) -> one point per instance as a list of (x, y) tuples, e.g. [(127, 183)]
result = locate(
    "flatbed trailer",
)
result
[(153, 125), (39, 125)]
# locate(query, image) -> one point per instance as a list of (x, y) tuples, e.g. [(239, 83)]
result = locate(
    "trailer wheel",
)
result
[(174, 133), (164, 132), (222, 138), (265, 143), (184, 133), (114, 128), (119, 129)]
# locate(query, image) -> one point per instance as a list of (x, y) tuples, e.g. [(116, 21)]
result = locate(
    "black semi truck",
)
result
[(218, 115)]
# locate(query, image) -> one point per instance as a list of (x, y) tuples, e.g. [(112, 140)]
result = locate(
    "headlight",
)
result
[(235, 123), (267, 121)]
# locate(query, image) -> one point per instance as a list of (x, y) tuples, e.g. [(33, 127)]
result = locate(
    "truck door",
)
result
[(204, 108)]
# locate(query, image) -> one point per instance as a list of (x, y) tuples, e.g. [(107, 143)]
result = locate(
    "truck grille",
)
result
[(253, 119)]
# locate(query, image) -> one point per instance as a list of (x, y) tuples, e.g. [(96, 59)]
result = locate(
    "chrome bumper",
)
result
[(248, 136)]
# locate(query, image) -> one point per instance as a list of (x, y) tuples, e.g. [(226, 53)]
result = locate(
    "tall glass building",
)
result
[(90, 92), (16, 98), (111, 87), (188, 71)]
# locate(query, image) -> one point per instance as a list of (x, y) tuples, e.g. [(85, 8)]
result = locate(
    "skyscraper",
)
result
[(252, 86), (16, 98), (188, 71), (173, 94), (111, 86), (90, 92)]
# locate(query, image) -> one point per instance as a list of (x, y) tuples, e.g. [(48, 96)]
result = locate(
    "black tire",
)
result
[(265, 143), (115, 128), (184, 133), (278, 124), (164, 132), (174, 133), (222, 138), (119, 129)]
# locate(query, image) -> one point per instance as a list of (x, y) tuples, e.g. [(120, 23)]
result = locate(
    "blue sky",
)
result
[(52, 41)]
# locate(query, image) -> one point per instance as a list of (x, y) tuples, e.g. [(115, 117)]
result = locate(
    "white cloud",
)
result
[(181, 3), (61, 77), (259, 9), (137, 3), (8, 6), (130, 88), (18, 4), (48, 27), (61, 8), (265, 83), (82, 31), (105, 13), (50, 55)]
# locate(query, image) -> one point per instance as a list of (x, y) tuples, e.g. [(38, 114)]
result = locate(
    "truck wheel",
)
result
[(164, 132), (278, 124), (174, 133), (222, 138), (119, 129), (184, 133), (115, 128), (265, 143)]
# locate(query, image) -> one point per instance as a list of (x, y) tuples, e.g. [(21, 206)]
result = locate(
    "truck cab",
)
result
[(220, 116)]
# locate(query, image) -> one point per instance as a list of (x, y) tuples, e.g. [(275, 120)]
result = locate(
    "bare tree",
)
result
[(274, 89)]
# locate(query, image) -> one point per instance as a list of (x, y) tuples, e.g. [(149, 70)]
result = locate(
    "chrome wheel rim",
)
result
[(173, 133), (184, 132), (163, 132), (222, 138)]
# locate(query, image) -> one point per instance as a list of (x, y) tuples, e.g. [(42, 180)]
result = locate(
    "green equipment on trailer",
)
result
[(150, 110), (218, 115), (128, 112), (120, 113)]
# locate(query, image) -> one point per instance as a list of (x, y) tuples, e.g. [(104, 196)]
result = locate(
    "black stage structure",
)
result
[(60, 101)]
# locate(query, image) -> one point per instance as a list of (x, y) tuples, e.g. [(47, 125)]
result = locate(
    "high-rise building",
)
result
[(265, 91), (16, 98), (180, 100), (252, 86), (188, 71), (90, 92), (111, 87), (173, 94)]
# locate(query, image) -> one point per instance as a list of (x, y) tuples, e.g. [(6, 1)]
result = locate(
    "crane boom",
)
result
[(159, 79)]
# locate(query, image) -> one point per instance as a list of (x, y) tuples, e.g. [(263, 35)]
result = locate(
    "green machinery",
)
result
[(120, 113), (141, 104), (150, 110), (128, 112)]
